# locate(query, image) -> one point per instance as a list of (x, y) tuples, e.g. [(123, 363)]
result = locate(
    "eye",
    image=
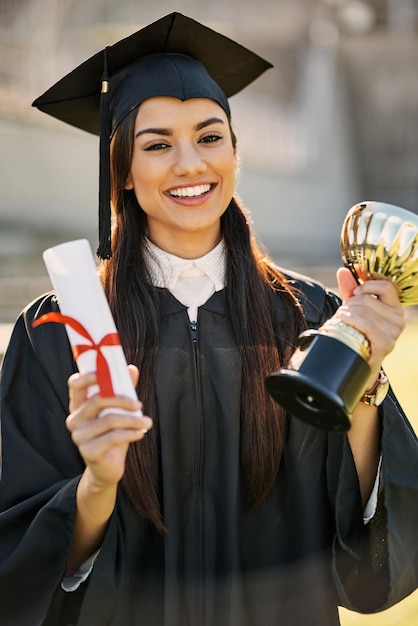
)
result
[(158, 145), (210, 138)]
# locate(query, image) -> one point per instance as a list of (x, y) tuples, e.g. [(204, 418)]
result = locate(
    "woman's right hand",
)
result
[(103, 441)]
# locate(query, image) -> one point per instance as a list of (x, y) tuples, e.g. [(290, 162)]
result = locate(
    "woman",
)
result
[(221, 508)]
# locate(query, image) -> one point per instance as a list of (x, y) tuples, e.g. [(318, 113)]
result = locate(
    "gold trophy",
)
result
[(329, 372)]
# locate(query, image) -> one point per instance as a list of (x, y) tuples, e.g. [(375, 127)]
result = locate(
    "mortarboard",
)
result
[(174, 56)]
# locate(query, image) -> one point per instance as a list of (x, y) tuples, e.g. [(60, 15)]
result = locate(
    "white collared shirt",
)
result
[(191, 281)]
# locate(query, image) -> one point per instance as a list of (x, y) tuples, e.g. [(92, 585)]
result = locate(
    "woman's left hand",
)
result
[(374, 309)]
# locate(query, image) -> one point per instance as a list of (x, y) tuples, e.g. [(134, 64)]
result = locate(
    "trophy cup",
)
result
[(329, 372)]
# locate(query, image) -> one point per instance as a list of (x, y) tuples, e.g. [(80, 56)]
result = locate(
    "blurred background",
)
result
[(334, 123)]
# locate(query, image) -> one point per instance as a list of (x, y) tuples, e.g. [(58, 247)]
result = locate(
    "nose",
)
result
[(188, 161)]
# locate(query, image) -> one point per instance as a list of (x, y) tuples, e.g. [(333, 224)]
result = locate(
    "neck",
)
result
[(189, 246)]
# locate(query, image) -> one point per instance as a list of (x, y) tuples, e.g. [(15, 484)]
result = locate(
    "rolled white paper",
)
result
[(80, 295)]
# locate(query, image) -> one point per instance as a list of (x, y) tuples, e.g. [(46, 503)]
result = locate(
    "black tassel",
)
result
[(104, 250)]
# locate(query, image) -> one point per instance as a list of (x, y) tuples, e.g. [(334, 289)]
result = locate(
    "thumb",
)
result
[(346, 282), (134, 373)]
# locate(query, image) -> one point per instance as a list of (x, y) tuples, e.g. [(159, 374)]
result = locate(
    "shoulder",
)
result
[(23, 326), (46, 303), (46, 346), (318, 302)]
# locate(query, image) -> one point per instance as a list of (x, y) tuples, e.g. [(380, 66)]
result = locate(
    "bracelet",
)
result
[(376, 394)]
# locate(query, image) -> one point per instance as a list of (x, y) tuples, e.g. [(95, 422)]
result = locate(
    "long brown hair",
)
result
[(251, 280)]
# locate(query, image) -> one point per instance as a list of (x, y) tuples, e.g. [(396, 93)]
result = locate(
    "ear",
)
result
[(128, 182)]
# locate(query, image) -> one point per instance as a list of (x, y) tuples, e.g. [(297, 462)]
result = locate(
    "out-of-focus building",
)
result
[(335, 122)]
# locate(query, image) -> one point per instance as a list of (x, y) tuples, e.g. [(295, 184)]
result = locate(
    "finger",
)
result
[(382, 311), (103, 443), (381, 324), (105, 456), (91, 408), (94, 448), (78, 385), (108, 424), (346, 282), (385, 290), (134, 372), (372, 315), (375, 308)]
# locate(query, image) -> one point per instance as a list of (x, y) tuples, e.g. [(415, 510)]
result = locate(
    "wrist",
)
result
[(95, 501), (96, 486)]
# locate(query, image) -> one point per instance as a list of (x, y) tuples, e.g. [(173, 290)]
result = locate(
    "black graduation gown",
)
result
[(289, 562)]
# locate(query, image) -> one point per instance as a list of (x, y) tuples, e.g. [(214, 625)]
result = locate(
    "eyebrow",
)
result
[(166, 132)]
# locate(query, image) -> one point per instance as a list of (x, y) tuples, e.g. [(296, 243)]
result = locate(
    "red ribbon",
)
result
[(104, 380)]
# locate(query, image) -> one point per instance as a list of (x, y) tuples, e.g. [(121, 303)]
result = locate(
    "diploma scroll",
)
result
[(89, 323)]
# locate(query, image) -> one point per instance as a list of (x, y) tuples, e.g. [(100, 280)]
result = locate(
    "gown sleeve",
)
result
[(40, 467), (375, 565)]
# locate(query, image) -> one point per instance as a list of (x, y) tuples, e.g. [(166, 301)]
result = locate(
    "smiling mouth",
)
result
[(190, 192)]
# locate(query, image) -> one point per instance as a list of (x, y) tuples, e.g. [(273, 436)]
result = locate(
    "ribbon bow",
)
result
[(104, 380)]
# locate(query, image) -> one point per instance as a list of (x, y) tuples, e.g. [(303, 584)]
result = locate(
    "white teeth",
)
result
[(190, 192)]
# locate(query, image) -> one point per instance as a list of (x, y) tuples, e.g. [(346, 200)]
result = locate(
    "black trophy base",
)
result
[(323, 384)]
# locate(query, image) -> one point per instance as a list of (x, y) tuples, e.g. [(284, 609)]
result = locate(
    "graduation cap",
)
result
[(175, 56)]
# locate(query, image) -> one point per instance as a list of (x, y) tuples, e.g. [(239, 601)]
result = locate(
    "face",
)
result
[(183, 172)]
